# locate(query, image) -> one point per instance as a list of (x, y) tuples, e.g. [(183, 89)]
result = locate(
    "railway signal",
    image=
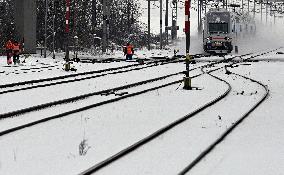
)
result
[(187, 79), (187, 24)]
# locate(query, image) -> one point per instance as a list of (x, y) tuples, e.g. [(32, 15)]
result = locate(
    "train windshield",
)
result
[(218, 27)]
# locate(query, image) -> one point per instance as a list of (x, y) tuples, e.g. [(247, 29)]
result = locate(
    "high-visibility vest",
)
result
[(129, 49), (9, 45), (16, 48)]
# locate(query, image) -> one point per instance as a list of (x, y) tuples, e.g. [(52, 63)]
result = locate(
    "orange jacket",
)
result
[(129, 50), (16, 48), (9, 45)]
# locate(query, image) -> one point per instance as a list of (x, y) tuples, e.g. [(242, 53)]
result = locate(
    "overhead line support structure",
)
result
[(161, 24), (67, 29), (149, 23), (174, 20), (104, 46), (167, 22), (45, 27)]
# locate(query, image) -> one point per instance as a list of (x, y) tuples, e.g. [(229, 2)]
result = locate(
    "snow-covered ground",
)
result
[(52, 148)]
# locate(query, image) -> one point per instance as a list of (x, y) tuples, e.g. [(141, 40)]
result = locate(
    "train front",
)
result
[(217, 32)]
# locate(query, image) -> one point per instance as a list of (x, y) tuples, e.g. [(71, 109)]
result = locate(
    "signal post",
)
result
[(187, 79)]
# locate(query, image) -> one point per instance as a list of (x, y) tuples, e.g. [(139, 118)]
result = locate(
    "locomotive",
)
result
[(217, 31), (222, 27)]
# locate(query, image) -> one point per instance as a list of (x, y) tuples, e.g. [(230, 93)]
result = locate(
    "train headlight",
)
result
[(209, 38)]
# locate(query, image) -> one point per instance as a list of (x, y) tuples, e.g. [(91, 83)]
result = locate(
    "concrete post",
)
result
[(25, 21)]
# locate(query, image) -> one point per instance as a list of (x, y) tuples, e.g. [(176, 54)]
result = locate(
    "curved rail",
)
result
[(108, 91), (38, 107), (228, 131), (76, 98), (80, 97), (159, 132)]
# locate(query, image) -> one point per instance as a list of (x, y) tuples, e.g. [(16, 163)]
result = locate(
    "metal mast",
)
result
[(104, 26), (149, 23), (167, 22), (45, 28), (161, 24), (67, 30), (174, 20)]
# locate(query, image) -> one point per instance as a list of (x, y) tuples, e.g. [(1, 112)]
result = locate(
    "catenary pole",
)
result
[(45, 28), (254, 8), (104, 26), (266, 13), (167, 22), (261, 10), (242, 6), (67, 29), (248, 6), (149, 23), (161, 24), (53, 30)]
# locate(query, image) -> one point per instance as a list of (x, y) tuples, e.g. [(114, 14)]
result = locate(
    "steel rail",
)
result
[(157, 133), (76, 98), (2, 133), (161, 131), (80, 97), (64, 76), (210, 148), (92, 72), (73, 80), (33, 69), (19, 112)]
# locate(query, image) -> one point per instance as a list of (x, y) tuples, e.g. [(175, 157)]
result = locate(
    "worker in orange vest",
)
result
[(9, 48), (129, 51), (16, 52)]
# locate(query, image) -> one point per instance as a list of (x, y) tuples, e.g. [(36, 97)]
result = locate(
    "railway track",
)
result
[(81, 77), (103, 92), (163, 130), (31, 69), (222, 137), (156, 134), (103, 103), (80, 97), (32, 84), (64, 76)]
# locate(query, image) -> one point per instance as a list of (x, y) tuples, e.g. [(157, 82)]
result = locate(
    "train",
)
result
[(221, 28)]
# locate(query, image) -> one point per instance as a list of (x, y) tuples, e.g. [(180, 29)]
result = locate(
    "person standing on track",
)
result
[(9, 48), (16, 52), (129, 51)]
